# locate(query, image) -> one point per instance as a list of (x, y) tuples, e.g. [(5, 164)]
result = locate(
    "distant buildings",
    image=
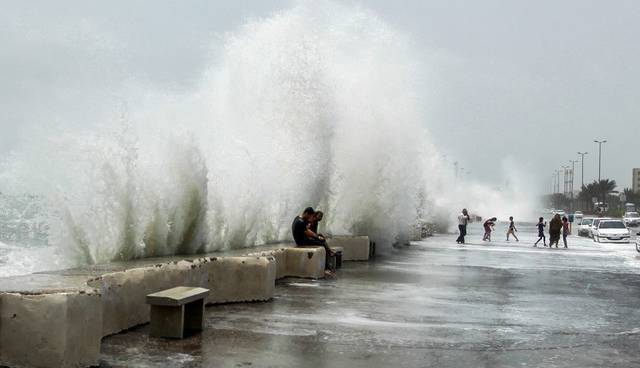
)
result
[(635, 180)]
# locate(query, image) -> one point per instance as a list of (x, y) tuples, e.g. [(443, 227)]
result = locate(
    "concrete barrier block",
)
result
[(230, 279), (355, 248), (305, 262), (50, 330), (280, 257), (124, 293), (241, 279)]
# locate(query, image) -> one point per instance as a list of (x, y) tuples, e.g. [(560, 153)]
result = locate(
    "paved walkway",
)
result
[(432, 304)]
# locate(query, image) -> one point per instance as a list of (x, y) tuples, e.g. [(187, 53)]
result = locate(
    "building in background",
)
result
[(635, 180)]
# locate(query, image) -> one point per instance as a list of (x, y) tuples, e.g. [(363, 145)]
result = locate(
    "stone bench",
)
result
[(305, 262), (355, 248), (176, 311), (293, 261)]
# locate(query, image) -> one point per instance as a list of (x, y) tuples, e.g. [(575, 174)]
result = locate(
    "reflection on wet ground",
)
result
[(431, 304)]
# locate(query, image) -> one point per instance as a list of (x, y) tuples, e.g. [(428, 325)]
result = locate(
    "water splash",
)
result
[(316, 105)]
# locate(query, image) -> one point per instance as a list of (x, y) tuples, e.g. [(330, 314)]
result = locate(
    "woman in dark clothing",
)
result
[(555, 227)]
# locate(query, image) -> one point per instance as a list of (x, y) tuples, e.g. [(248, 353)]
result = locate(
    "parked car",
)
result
[(631, 219), (638, 242), (594, 225), (583, 226), (614, 231)]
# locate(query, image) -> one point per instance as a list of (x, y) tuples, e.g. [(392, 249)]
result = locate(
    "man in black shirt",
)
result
[(303, 235), (300, 228)]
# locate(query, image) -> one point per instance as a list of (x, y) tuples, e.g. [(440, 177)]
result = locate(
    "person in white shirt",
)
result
[(463, 220)]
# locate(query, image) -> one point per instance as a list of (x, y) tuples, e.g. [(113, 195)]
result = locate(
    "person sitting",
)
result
[(313, 224), (305, 237)]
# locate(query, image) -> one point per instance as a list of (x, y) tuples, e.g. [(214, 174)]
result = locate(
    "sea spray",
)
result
[(319, 105)]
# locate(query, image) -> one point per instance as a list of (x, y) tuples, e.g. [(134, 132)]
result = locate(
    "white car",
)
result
[(593, 226), (631, 219), (614, 231), (583, 226)]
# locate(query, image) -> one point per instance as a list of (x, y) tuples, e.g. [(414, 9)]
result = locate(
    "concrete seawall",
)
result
[(58, 319)]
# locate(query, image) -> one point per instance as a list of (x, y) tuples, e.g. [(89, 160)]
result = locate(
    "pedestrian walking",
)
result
[(512, 229), (565, 230), (541, 225), (463, 220), (488, 228), (555, 226)]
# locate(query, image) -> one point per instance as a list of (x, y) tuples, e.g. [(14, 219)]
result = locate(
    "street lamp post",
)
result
[(573, 170), (582, 174), (600, 166), (564, 179)]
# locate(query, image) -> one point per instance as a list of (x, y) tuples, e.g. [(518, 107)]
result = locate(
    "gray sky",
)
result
[(534, 81)]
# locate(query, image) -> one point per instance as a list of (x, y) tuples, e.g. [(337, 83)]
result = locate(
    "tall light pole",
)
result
[(564, 179), (573, 170), (582, 174), (600, 164), (582, 169)]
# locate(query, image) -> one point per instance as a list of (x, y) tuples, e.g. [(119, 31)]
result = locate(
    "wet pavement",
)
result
[(434, 303)]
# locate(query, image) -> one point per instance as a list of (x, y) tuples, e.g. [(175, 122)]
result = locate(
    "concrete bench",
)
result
[(355, 248), (176, 310), (305, 262)]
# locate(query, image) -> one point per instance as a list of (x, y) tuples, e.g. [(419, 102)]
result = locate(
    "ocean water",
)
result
[(318, 105)]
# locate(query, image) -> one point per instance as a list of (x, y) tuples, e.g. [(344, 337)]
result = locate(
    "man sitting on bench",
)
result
[(303, 235), (315, 221)]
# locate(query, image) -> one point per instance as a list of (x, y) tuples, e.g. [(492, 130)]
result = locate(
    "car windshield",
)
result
[(612, 225), (633, 214), (586, 222)]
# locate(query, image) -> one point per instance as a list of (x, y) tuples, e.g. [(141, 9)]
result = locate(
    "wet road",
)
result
[(432, 304)]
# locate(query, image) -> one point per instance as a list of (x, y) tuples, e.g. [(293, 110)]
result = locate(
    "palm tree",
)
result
[(631, 196), (606, 185), (596, 190)]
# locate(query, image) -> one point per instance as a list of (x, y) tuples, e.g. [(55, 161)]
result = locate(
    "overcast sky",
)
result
[(533, 81)]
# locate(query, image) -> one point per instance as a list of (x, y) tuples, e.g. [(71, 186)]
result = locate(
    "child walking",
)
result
[(541, 236), (488, 228), (512, 229), (565, 230)]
